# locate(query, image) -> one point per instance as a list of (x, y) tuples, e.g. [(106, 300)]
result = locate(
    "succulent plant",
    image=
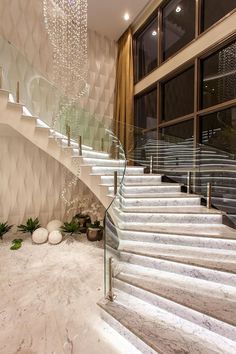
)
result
[(4, 228), (30, 226), (71, 228)]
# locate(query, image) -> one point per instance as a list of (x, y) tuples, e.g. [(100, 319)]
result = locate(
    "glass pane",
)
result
[(178, 132), (146, 110), (219, 77), (178, 95), (214, 10), (178, 25), (146, 50), (219, 130)]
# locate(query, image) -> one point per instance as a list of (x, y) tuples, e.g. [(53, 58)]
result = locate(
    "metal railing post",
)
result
[(102, 144), (151, 165), (18, 92), (80, 145), (1, 77), (115, 182), (68, 134), (189, 183), (110, 294), (209, 195)]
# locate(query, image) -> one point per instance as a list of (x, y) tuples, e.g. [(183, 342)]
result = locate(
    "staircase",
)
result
[(175, 260), (174, 271)]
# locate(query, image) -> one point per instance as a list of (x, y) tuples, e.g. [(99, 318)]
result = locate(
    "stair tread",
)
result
[(162, 330), (188, 229), (170, 209), (212, 298), (218, 259)]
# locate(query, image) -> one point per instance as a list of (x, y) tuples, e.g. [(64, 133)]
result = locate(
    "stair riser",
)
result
[(126, 219), (124, 332), (185, 312), (134, 180), (111, 170), (216, 305), (141, 190), (178, 240), (152, 202), (179, 268)]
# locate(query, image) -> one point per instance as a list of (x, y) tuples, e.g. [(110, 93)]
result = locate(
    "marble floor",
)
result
[(48, 297)]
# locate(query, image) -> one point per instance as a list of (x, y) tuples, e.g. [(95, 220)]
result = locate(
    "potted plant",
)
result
[(4, 228), (30, 226), (83, 220), (71, 228), (95, 231)]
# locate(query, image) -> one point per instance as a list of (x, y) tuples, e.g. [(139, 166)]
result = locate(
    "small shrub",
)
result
[(30, 226), (71, 228), (4, 228)]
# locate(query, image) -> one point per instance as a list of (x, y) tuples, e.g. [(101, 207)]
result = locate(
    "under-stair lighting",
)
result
[(126, 16), (154, 33), (178, 9)]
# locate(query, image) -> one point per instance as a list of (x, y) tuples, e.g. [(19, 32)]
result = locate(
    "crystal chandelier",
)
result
[(66, 23)]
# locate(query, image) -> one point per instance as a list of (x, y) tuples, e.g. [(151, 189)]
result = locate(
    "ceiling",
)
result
[(106, 16)]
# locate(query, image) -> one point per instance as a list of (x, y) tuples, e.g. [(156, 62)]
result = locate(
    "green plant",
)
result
[(16, 244), (72, 227), (4, 228), (95, 225), (30, 226)]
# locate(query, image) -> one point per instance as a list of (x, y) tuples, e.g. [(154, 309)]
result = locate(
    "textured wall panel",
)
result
[(31, 183), (22, 24)]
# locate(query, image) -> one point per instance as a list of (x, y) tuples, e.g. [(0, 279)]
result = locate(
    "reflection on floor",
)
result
[(48, 300)]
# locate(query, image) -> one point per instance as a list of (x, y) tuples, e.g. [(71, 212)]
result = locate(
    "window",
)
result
[(146, 50), (214, 10), (178, 25), (178, 133), (219, 130), (218, 82), (178, 95), (146, 110)]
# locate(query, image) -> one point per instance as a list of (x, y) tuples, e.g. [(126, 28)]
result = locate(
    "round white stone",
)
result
[(55, 237), (40, 235), (54, 225)]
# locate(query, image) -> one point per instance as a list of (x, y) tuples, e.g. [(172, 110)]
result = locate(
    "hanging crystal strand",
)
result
[(66, 24)]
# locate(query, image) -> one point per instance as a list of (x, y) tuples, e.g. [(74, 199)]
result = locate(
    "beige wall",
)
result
[(22, 24), (32, 182)]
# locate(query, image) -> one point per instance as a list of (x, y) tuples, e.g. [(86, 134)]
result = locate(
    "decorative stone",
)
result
[(55, 237), (54, 225), (40, 235)]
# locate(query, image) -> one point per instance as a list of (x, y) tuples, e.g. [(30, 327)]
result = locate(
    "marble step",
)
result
[(102, 162), (218, 242), (150, 190), (211, 298), (100, 170), (189, 270), (184, 229), (90, 154), (146, 204), (136, 180), (163, 331), (219, 327), (223, 260), (166, 215)]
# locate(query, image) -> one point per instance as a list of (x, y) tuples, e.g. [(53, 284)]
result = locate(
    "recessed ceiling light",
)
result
[(126, 16), (154, 33), (178, 9)]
